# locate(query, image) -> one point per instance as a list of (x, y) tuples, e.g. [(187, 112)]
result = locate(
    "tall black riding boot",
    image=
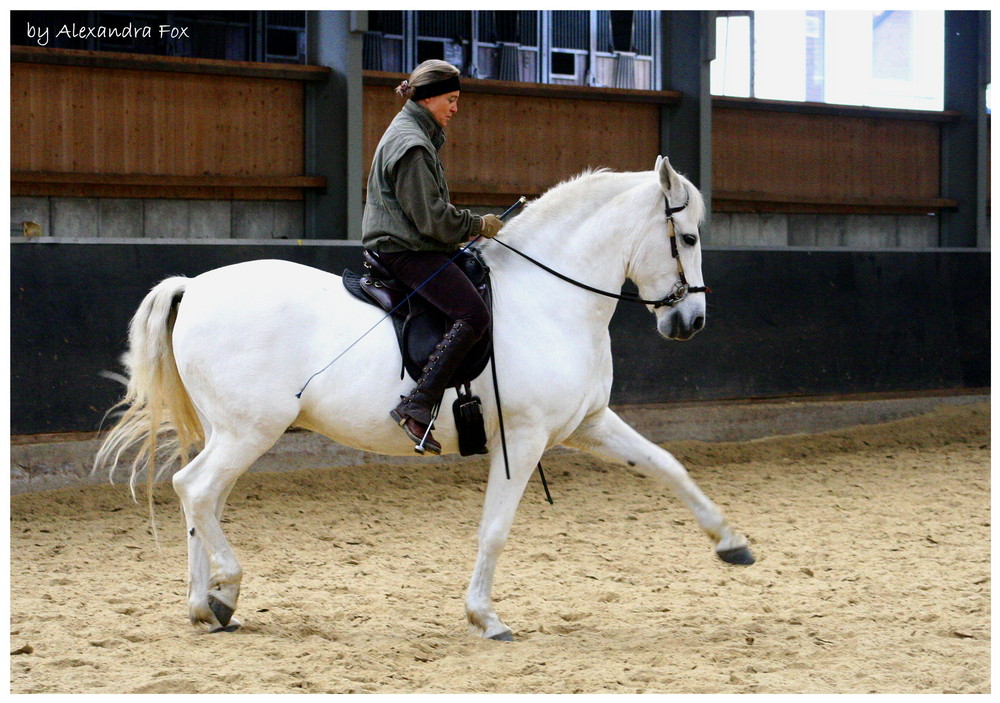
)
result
[(415, 412)]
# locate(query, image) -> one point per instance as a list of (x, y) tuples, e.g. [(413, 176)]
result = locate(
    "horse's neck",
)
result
[(576, 232)]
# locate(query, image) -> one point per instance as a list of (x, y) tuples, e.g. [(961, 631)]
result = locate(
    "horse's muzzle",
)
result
[(678, 327)]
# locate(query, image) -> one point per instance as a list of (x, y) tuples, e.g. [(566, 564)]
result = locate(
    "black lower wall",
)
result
[(811, 322), (780, 322)]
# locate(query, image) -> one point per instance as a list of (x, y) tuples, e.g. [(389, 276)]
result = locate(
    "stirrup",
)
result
[(420, 447)]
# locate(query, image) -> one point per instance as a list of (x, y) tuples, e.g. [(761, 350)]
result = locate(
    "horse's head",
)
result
[(666, 263)]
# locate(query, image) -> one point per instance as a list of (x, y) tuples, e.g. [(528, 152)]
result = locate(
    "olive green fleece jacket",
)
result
[(409, 205)]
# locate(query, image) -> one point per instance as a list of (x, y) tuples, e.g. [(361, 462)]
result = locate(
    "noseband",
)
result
[(681, 288)]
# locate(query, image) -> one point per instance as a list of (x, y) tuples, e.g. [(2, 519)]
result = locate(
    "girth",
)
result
[(419, 325)]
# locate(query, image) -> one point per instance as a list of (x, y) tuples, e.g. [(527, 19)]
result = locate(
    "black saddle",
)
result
[(419, 325)]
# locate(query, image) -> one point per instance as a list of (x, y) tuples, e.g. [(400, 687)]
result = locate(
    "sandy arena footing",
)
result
[(873, 573), (52, 461)]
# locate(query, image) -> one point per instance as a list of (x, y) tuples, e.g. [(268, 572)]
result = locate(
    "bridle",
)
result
[(681, 288), (680, 291)]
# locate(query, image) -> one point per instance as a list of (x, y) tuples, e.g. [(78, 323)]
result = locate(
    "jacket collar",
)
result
[(425, 120)]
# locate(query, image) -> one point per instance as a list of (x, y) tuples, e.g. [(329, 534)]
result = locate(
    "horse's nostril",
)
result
[(698, 323)]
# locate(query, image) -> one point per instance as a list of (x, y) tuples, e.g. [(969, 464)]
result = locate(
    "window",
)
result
[(882, 58), (732, 69), (563, 64), (443, 34), (578, 47), (571, 29), (508, 26), (383, 44), (233, 36), (625, 31)]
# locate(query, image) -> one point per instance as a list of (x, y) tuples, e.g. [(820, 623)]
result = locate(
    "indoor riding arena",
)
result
[(835, 407)]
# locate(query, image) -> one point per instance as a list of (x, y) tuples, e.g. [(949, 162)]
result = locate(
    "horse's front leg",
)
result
[(502, 498), (609, 437)]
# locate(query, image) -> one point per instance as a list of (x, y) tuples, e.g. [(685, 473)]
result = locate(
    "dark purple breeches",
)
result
[(450, 291)]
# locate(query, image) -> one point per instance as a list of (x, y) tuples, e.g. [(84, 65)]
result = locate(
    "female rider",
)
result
[(410, 223)]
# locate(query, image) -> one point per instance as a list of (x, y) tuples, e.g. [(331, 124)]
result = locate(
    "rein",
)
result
[(681, 288)]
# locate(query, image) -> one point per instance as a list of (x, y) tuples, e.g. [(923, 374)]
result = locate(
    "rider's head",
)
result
[(435, 85)]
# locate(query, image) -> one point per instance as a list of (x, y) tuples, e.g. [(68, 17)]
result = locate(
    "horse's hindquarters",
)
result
[(245, 339), (250, 337)]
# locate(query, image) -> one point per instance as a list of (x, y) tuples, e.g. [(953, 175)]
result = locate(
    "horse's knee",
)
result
[(492, 541)]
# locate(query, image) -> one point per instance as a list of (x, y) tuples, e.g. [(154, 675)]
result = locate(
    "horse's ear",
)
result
[(668, 177), (659, 160)]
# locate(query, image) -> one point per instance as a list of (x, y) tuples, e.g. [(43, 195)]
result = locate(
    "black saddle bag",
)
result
[(468, 411)]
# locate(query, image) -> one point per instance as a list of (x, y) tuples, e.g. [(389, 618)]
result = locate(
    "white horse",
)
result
[(216, 362)]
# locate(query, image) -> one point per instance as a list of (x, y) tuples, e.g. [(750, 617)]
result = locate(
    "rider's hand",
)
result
[(491, 225)]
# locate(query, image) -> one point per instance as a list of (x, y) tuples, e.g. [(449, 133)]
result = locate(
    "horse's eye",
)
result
[(690, 239)]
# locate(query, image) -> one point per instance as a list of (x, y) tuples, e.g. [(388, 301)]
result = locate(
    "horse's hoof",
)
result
[(223, 613), (231, 627), (505, 636), (738, 555)]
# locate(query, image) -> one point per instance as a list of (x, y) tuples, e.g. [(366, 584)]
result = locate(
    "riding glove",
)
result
[(491, 225)]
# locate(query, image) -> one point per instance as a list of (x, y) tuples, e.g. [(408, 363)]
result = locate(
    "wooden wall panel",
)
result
[(501, 146), (825, 159), (68, 119)]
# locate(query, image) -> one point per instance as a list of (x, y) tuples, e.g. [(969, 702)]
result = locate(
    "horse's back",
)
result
[(270, 323), (254, 286), (261, 274), (263, 298)]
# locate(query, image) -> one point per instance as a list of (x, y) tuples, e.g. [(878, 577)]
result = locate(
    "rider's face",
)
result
[(443, 107)]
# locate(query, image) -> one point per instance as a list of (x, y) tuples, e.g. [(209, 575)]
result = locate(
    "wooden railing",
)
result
[(99, 124), (511, 139), (770, 156)]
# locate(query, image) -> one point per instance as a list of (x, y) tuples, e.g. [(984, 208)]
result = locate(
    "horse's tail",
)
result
[(158, 414)]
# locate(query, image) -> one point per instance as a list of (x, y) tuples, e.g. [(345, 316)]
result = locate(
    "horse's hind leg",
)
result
[(203, 486), (609, 437), (199, 572)]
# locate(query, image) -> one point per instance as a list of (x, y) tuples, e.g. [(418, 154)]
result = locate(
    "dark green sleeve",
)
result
[(419, 195)]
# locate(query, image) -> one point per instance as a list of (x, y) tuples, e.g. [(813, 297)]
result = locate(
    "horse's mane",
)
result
[(593, 187), (590, 186)]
